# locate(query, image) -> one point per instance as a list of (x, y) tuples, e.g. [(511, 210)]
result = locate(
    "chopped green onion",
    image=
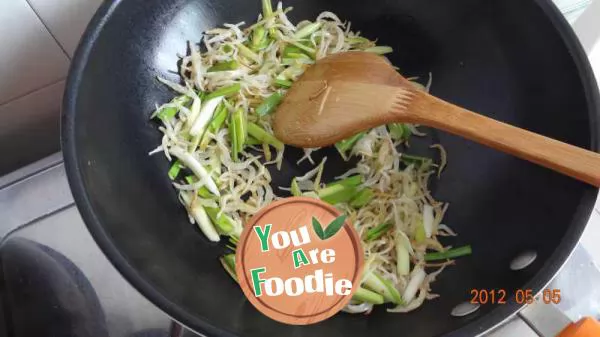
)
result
[(292, 57), (357, 40), (193, 164), (449, 254), (402, 257), (383, 287), (223, 223), (336, 194), (200, 216), (308, 50), (399, 131), (267, 8), (381, 50), (238, 132), (259, 36), (295, 189), (228, 262), (365, 295), (266, 151), (174, 170), (347, 144), (252, 141), (351, 181), (408, 159), (205, 116), (225, 91), (310, 194), (377, 231), (307, 30), (227, 48), (293, 52), (269, 104), (362, 198), (283, 83), (263, 136), (168, 113), (224, 66), (420, 232), (218, 119), (202, 191), (247, 53)]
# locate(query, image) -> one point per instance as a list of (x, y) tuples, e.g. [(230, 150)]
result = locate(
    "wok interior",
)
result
[(501, 58)]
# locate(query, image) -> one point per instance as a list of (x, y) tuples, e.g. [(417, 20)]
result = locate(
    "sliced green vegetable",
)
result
[(267, 8), (449, 254), (408, 159), (399, 131), (263, 136), (307, 30), (238, 132), (174, 170), (259, 36), (228, 262), (207, 111), (224, 66), (269, 104), (310, 194), (381, 50), (420, 232), (336, 194), (252, 141), (292, 57), (225, 91), (362, 198), (402, 260), (169, 113), (290, 49), (199, 215), (247, 53), (345, 145), (295, 189), (383, 287), (357, 40), (223, 223), (377, 231), (351, 181), (195, 166), (202, 191), (365, 295), (218, 119), (308, 50), (283, 83), (227, 48)]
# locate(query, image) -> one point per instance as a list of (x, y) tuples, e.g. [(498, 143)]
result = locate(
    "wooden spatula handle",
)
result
[(573, 161)]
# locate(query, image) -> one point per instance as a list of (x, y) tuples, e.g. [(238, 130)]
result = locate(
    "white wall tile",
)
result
[(29, 57), (66, 19), (30, 127)]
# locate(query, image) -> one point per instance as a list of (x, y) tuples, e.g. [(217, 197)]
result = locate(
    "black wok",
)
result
[(515, 60)]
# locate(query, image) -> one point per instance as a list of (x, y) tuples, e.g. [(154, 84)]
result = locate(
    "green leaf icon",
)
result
[(334, 226), (318, 229)]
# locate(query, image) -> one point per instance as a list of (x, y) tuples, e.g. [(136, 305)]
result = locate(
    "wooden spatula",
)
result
[(346, 93)]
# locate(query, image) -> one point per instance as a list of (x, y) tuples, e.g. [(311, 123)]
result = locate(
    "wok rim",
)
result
[(476, 327)]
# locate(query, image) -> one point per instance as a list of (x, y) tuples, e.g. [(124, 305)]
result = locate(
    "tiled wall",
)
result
[(38, 39)]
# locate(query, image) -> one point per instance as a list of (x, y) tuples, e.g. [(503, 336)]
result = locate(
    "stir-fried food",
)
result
[(217, 134)]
